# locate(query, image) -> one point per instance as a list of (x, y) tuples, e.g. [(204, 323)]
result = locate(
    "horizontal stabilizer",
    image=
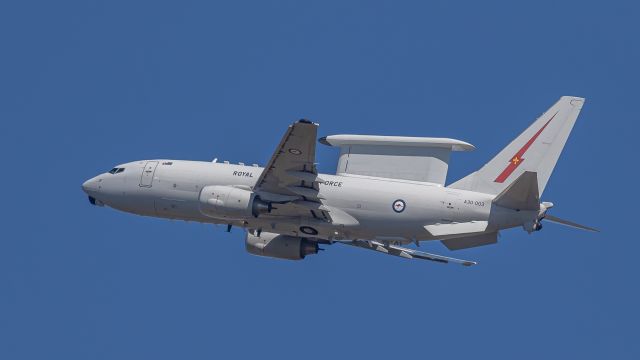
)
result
[(466, 242), (406, 252), (522, 194), (446, 230), (557, 220)]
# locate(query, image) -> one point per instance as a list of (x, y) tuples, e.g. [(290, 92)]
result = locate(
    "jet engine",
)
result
[(228, 202), (280, 246)]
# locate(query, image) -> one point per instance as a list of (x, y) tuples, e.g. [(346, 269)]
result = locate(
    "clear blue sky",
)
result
[(85, 85)]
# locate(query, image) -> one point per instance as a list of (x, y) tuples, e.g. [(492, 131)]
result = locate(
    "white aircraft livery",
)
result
[(388, 191)]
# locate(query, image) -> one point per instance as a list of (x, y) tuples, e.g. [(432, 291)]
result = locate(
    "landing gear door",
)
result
[(147, 173)]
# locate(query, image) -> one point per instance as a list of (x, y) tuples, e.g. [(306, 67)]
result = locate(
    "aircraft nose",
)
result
[(90, 185)]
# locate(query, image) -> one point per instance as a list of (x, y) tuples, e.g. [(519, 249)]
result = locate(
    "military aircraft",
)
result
[(388, 191)]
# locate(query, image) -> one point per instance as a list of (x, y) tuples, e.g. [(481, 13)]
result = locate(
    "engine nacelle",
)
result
[(280, 246), (228, 202)]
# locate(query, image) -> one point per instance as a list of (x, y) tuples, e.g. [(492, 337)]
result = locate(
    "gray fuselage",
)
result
[(363, 206)]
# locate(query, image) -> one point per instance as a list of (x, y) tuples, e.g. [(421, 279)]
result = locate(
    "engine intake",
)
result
[(227, 202), (280, 246)]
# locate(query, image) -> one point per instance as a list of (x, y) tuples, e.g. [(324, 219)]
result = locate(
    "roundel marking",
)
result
[(399, 206), (295, 151), (308, 230)]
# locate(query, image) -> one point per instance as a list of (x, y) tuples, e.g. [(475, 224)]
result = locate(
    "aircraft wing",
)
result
[(291, 171), (405, 252), (291, 178)]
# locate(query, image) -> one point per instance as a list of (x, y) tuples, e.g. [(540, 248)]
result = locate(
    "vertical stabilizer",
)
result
[(536, 150)]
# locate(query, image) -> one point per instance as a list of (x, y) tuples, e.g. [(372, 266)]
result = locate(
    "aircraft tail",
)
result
[(536, 150)]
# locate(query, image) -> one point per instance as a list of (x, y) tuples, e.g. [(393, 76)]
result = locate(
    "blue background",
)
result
[(86, 85)]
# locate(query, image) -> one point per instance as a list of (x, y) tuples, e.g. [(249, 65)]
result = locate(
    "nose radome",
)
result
[(85, 186), (90, 185)]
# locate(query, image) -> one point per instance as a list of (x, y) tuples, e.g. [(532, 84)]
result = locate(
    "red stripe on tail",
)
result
[(517, 159)]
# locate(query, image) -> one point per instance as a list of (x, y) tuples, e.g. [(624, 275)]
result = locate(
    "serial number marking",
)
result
[(475, 203)]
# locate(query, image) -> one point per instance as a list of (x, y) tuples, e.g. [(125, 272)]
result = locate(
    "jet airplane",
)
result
[(388, 191)]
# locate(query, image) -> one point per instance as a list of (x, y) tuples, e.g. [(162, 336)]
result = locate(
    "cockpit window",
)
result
[(116, 170)]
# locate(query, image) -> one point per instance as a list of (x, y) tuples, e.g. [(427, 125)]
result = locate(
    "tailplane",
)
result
[(536, 150), (521, 194), (568, 223)]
